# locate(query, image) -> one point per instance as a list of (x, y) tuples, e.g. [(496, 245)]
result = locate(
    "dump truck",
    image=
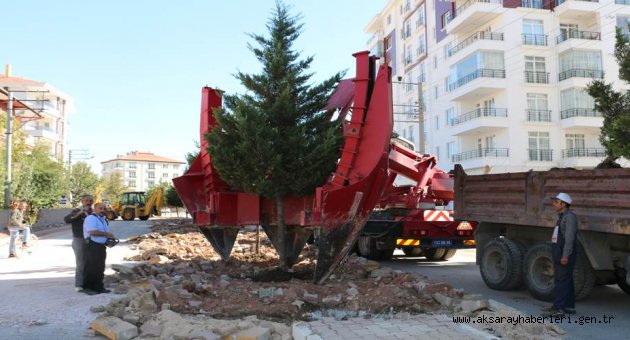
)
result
[(415, 217), (134, 204), (516, 222)]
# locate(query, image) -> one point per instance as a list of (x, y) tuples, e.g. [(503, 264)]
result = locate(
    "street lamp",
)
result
[(420, 109)]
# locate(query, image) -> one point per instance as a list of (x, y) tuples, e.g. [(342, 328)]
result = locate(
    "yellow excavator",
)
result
[(136, 204)]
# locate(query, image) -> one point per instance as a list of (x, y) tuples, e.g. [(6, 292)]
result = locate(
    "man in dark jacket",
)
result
[(76, 217), (563, 254)]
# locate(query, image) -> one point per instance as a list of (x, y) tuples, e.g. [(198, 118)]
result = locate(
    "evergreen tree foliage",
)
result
[(172, 198), (615, 106), (277, 139)]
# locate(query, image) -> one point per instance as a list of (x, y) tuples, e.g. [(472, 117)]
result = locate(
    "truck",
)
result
[(516, 221), (415, 217), (134, 204)]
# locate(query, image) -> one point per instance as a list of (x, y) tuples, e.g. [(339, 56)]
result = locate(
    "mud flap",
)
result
[(221, 239), (294, 242)]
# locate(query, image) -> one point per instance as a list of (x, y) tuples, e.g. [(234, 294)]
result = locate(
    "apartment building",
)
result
[(503, 82), (40, 110), (142, 170)]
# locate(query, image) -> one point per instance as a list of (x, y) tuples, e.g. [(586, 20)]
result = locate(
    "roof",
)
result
[(19, 81), (143, 156)]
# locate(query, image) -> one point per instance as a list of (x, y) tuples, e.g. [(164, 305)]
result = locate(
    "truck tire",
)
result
[(128, 214), (412, 251), (539, 273), (449, 254), (501, 264), (621, 282), (111, 215), (434, 254), (367, 248), (143, 218)]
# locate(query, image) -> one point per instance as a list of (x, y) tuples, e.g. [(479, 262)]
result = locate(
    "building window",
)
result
[(437, 152), (151, 174), (174, 175), (118, 165), (131, 184), (132, 174), (446, 18), (151, 165), (435, 61), (389, 19), (622, 23), (150, 183), (175, 166), (436, 91), (537, 108), (451, 149), (411, 137), (437, 122), (450, 116), (575, 141), (132, 165), (164, 166), (539, 146)]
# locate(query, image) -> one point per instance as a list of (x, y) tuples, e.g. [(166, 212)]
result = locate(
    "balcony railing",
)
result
[(459, 10), (482, 72), (481, 153), (622, 2), (478, 113), (532, 3), (584, 152), (534, 39), (540, 155), (582, 73), (559, 2), (570, 113), (421, 51), (585, 35), (471, 39), (537, 77), (538, 115), (420, 23)]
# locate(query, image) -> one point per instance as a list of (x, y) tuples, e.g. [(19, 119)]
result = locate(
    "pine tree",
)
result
[(615, 107), (277, 139)]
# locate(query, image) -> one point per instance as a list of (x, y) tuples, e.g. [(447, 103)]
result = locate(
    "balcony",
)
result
[(581, 73), (543, 116), (581, 118), (577, 9), (472, 14), (540, 155), (472, 39), (481, 82), (582, 157), (533, 77), (420, 23), (622, 2), (532, 4), (534, 39), (43, 133), (584, 35), (480, 153), (480, 120)]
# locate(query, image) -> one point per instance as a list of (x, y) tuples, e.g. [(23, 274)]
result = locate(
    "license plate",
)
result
[(441, 243)]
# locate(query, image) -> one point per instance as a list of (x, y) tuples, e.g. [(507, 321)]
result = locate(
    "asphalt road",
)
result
[(461, 272)]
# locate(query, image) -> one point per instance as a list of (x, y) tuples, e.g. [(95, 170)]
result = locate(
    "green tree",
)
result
[(173, 199), (82, 181), (277, 139), (111, 187), (615, 107)]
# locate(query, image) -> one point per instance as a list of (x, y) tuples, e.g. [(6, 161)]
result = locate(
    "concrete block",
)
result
[(473, 305), (114, 328), (497, 306), (300, 331), (254, 333), (443, 299)]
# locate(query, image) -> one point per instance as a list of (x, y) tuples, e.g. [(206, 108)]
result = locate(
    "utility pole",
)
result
[(420, 119), (80, 154), (8, 179)]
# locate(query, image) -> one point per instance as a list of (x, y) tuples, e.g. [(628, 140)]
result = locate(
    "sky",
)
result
[(135, 69)]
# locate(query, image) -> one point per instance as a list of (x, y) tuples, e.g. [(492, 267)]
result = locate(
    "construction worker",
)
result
[(76, 218), (563, 253)]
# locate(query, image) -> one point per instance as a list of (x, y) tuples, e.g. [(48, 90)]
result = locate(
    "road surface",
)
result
[(461, 272)]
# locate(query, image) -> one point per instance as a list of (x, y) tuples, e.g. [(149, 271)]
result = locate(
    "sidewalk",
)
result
[(413, 327)]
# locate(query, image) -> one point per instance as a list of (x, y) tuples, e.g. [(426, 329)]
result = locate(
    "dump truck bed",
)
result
[(601, 198)]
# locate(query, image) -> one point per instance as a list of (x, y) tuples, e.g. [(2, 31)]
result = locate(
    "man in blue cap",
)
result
[(563, 253)]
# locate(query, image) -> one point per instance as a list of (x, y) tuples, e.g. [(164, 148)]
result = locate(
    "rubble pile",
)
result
[(182, 274)]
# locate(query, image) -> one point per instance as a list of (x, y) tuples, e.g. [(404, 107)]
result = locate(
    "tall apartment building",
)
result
[(503, 82), (39, 109), (142, 170)]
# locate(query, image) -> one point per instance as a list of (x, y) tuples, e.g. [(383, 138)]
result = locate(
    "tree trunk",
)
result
[(282, 231), (258, 239), (177, 211)]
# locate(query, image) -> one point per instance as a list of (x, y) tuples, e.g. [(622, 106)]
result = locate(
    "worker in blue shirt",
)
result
[(96, 232)]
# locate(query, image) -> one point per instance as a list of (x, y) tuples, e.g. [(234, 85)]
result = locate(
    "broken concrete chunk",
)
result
[(443, 299), (114, 328), (254, 333)]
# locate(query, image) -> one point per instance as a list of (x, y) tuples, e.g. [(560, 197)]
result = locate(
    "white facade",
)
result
[(142, 170), (504, 87), (42, 111)]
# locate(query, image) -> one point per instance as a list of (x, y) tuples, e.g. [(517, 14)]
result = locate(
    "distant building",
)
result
[(142, 170), (40, 110)]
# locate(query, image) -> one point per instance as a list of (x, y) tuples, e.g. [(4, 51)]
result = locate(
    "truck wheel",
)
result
[(621, 282), (449, 254), (501, 264), (412, 251), (128, 214), (111, 215), (435, 254), (143, 218), (367, 249), (539, 272)]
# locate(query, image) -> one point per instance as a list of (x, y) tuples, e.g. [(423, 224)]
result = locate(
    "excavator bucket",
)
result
[(361, 174), (294, 241), (221, 239)]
